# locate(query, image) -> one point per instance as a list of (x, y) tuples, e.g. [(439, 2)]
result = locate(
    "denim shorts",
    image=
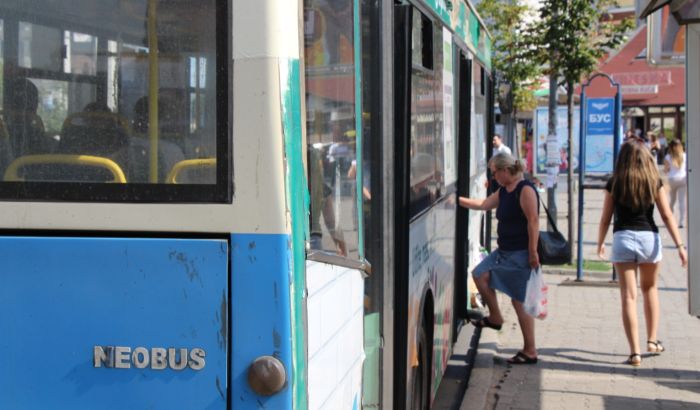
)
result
[(510, 271), (636, 246)]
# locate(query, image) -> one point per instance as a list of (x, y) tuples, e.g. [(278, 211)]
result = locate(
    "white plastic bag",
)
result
[(536, 295)]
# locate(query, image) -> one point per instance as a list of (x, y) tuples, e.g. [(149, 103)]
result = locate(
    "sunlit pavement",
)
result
[(582, 346)]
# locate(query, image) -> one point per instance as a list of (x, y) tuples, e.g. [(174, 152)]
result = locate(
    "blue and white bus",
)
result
[(221, 204)]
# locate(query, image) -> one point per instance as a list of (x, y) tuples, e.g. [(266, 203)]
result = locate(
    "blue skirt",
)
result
[(510, 271)]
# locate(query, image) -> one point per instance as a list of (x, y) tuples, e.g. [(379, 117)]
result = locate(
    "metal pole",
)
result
[(583, 127), (616, 144), (552, 130), (153, 84)]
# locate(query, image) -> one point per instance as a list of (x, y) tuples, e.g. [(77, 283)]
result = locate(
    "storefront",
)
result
[(653, 93)]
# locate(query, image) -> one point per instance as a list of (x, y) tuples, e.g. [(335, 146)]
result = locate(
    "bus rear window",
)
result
[(114, 103)]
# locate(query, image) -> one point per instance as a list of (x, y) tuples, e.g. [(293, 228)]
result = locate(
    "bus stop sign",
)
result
[(600, 135)]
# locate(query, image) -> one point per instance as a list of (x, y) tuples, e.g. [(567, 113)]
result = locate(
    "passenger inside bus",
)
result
[(95, 131), (169, 153), (25, 127)]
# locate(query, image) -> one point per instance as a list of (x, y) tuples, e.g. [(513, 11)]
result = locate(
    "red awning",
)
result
[(642, 84)]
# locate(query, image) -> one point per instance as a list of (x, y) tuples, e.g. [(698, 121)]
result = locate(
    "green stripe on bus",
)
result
[(290, 81)]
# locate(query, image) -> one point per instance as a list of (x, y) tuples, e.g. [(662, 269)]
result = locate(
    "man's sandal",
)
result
[(522, 358), (655, 346), (485, 322), (635, 359)]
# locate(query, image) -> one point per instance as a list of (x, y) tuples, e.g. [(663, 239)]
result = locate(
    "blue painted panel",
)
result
[(260, 314), (59, 297)]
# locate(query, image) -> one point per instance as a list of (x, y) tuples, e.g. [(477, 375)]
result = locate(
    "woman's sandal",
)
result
[(635, 359), (655, 346), (485, 322), (522, 358)]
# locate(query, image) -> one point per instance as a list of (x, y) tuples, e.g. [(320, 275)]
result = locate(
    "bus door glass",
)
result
[(336, 178), (330, 126)]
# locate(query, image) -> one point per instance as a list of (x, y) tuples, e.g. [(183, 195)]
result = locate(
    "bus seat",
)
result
[(95, 133), (193, 171), (64, 167)]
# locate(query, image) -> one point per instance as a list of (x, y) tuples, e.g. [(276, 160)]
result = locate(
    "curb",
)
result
[(476, 395), (553, 270)]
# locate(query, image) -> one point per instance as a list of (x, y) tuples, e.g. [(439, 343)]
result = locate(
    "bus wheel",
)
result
[(421, 381)]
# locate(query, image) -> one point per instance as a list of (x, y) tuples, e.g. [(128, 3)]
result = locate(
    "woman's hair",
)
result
[(675, 151), (635, 182), (508, 162), (651, 136)]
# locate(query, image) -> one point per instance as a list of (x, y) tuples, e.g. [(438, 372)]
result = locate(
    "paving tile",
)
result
[(582, 346)]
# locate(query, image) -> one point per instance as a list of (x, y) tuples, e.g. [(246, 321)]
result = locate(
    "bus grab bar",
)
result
[(188, 163), (11, 174)]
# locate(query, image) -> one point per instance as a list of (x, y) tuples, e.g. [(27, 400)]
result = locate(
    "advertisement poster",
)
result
[(540, 133), (600, 135)]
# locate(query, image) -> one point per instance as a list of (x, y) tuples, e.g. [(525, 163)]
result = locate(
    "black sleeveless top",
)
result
[(629, 219), (512, 223)]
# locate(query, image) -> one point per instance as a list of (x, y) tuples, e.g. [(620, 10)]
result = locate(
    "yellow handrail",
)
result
[(188, 163), (11, 174)]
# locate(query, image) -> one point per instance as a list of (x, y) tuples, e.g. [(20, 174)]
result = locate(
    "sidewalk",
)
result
[(582, 345)]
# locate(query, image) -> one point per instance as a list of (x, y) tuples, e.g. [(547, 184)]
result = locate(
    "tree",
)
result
[(574, 36), (511, 57)]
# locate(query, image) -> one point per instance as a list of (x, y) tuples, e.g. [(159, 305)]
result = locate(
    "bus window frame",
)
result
[(91, 192)]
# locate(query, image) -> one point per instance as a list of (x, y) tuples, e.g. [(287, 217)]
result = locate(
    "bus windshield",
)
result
[(120, 98)]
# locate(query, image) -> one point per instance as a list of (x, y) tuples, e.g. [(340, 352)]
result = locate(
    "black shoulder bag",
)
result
[(552, 248)]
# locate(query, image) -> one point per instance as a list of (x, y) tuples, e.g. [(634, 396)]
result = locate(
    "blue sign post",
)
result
[(599, 143)]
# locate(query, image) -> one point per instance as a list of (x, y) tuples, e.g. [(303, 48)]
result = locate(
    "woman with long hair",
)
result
[(631, 194), (508, 268), (674, 165)]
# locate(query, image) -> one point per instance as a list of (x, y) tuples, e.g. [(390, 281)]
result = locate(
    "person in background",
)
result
[(508, 268), (674, 166), (499, 147), (663, 144), (322, 203), (631, 193), (628, 134), (527, 147), (654, 146)]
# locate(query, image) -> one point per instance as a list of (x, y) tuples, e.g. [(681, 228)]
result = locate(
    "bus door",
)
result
[(426, 203), (402, 108), (463, 126)]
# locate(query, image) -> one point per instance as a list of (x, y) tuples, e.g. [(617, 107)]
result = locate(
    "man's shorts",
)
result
[(636, 247)]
